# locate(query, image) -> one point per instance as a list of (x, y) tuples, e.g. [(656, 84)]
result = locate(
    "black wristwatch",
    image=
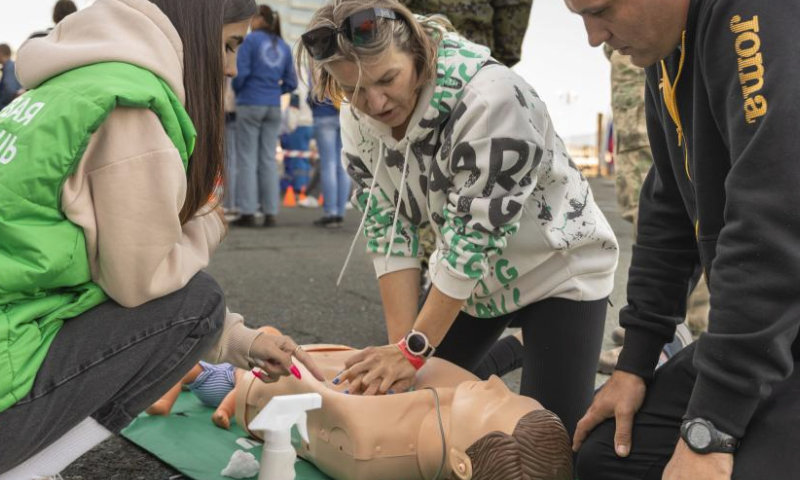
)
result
[(703, 437), (419, 345)]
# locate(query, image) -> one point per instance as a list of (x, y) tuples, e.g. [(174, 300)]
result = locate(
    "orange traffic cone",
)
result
[(302, 194), (321, 200), (289, 200)]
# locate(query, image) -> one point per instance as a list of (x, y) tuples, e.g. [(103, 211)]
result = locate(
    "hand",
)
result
[(621, 397), (687, 465), (273, 354), (376, 371)]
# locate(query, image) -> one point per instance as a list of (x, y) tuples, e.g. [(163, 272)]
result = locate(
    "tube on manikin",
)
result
[(276, 421)]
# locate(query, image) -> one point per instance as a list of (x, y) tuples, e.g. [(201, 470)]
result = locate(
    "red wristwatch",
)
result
[(416, 361)]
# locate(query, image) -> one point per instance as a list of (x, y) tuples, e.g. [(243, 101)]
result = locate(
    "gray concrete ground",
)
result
[(286, 277)]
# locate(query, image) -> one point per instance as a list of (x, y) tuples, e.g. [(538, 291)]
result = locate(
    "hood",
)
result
[(129, 31), (459, 61)]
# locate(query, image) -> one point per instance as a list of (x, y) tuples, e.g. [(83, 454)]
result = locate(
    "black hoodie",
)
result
[(724, 196)]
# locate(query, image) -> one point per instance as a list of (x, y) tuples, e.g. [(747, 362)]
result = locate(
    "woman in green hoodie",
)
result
[(107, 166), (435, 131)]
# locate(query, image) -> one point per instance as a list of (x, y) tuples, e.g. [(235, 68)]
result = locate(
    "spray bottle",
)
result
[(276, 421)]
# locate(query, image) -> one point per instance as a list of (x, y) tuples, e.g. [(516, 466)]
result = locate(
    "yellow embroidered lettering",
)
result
[(738, 27), (744, 50), (746, 78), (755, 108), (750, 65)]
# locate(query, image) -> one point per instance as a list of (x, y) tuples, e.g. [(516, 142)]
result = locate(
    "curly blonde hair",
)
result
[(414, 35)]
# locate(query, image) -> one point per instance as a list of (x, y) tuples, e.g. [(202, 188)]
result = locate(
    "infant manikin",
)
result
[(451, 425)]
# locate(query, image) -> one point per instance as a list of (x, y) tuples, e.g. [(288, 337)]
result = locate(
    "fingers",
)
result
[(303, 357), (584, 427), (624, 432), (373, 388), (401, 386), (263, 376), (272, 368)]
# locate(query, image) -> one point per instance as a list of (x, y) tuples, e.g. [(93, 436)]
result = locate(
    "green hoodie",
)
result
[(44, 270)]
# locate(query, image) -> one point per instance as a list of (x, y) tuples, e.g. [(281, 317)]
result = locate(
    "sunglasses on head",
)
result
[(360, 28)]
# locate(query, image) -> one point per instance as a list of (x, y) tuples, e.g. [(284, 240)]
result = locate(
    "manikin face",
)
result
[(389, 88), (232, 37), (647, 30), (477, 404)]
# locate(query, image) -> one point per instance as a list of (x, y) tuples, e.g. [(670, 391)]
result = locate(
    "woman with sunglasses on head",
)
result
[(107, 165), (266, 71), (437, 131)]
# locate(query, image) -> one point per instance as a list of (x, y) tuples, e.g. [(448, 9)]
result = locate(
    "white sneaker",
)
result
[(309, 202)]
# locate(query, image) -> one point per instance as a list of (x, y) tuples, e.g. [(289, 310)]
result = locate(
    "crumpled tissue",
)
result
[(241, 465)]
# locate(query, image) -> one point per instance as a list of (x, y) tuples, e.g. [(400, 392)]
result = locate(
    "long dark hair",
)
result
[(272, 22), (199, 24)]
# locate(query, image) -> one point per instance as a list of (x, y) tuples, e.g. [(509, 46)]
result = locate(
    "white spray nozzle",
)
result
[(284, 411)]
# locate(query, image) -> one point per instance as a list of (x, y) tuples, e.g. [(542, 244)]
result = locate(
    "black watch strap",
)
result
[(703, 437)]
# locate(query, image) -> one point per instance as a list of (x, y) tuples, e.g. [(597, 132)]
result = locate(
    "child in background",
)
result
[(295, 142)]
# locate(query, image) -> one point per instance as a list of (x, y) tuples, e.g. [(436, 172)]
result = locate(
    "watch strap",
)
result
[(414, 360), (720, 442)]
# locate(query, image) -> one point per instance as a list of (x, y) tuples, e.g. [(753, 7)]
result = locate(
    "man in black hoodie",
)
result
[(723, 105)]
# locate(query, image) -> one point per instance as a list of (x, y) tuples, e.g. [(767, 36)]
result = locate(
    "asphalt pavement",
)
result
[(286, 277)]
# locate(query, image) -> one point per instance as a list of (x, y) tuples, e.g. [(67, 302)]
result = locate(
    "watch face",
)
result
[(416, 344), (699, 436)]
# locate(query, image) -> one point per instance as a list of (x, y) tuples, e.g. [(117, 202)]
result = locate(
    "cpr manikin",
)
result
[(489, 432)]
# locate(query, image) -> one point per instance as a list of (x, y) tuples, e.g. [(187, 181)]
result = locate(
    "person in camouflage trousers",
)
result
[(497, 24), (632, 157), (632, 161)]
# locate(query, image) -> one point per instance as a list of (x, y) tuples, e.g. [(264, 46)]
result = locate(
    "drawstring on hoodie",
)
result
[(399, 203), (381, 153), (670, 98), (364, 216)]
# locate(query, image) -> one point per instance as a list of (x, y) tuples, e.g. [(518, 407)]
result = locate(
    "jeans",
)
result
[(230, 165), (110, 363), (257, 179), (335, 181)]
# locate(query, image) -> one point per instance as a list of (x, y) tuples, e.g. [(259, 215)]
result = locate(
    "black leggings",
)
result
[(562, 341)]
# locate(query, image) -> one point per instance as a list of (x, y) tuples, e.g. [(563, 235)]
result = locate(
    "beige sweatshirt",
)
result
[(130, 185)]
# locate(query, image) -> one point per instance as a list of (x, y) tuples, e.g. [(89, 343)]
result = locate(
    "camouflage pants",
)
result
[(633, 160)]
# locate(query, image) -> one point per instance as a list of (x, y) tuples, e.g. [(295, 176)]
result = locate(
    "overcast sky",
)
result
[(571, 77)]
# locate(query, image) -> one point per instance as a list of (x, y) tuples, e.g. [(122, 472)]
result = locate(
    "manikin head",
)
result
[(376, 62), (647, 30)]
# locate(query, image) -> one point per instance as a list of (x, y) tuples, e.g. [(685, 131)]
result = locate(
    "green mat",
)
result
[(188, 441)]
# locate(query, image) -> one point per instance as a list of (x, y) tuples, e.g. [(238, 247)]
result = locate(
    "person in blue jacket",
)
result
[(266, 71), (9, 86)]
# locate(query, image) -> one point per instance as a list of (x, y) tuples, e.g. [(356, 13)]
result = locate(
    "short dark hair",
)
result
[(62, 9), (5, 50)]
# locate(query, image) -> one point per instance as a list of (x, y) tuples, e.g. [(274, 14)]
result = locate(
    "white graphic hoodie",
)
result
[(514, 218)]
